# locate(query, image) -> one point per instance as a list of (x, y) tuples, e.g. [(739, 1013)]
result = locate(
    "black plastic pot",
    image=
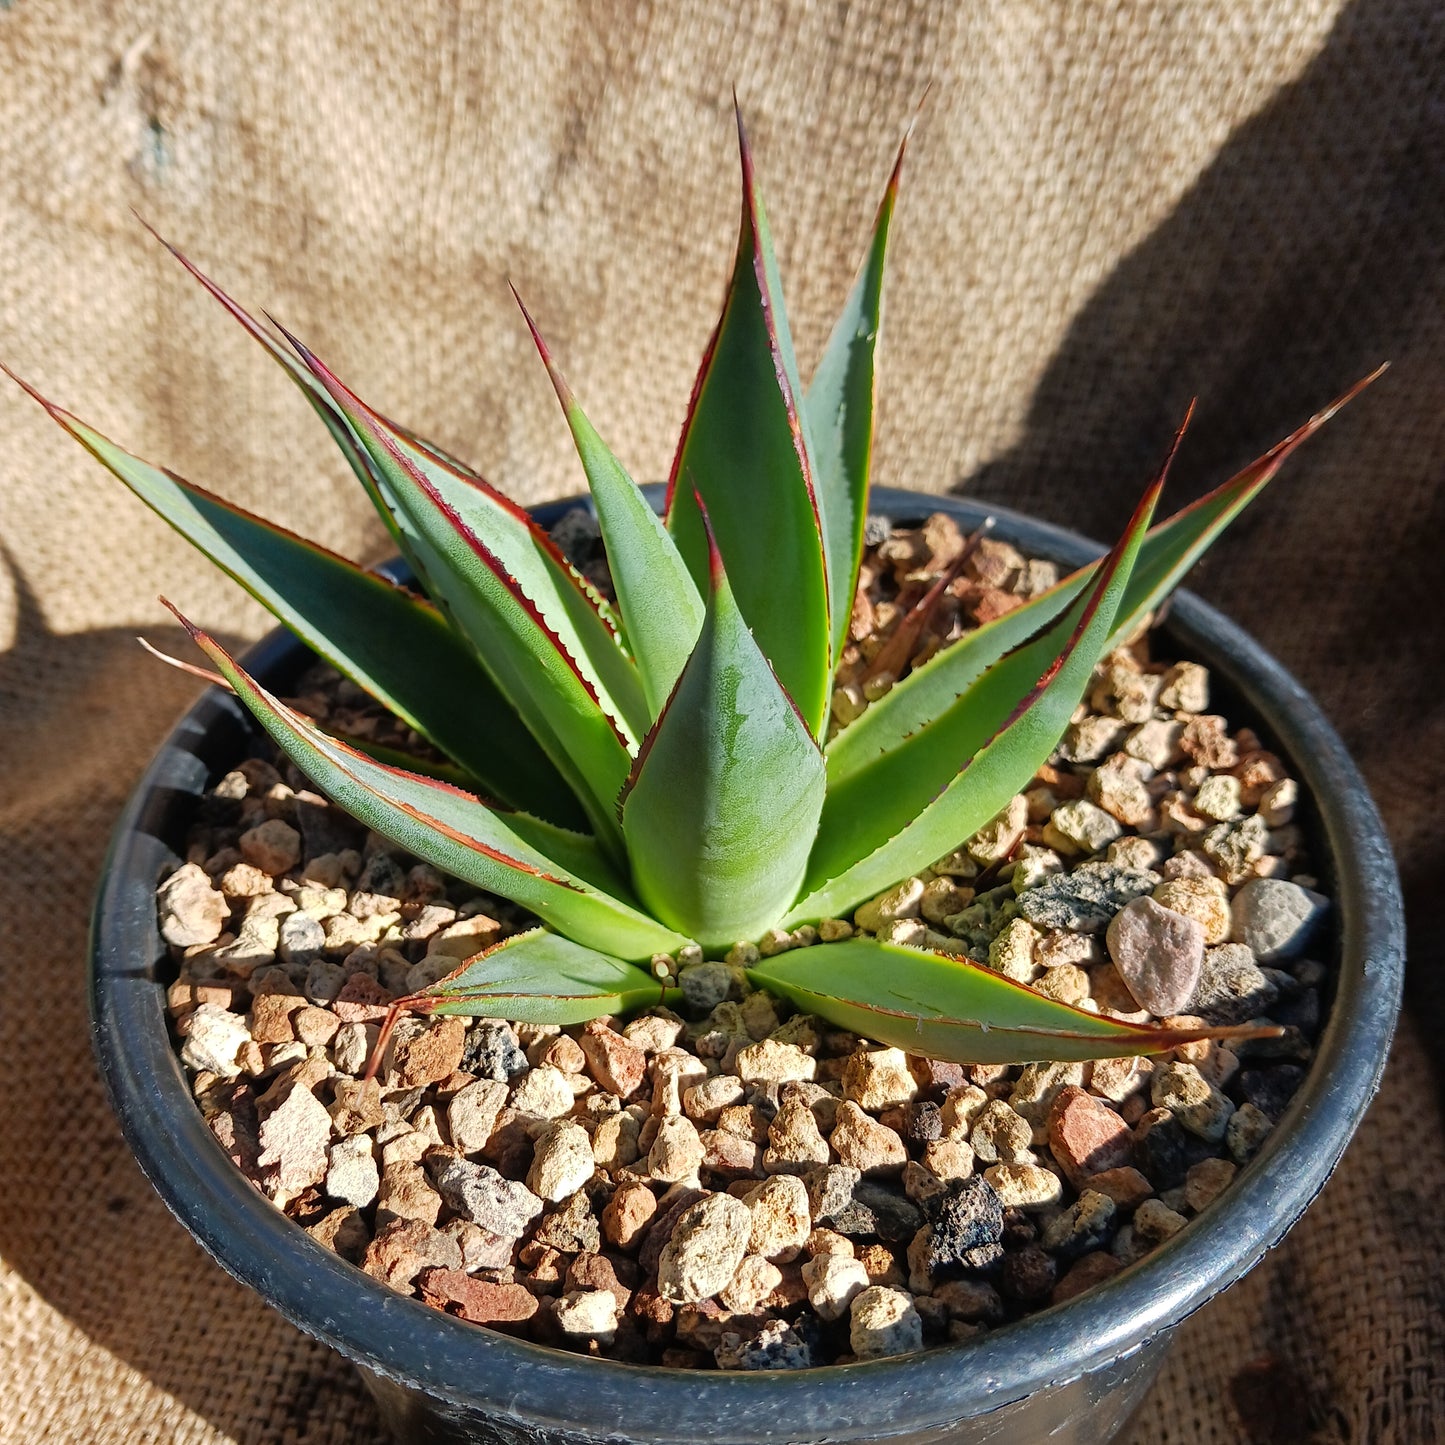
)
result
[(1069, 1375)]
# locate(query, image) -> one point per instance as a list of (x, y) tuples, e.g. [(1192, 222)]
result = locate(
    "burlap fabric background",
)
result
[(1109, 207)]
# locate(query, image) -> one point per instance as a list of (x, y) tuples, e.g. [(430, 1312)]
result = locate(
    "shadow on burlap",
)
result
[(1105, 213)]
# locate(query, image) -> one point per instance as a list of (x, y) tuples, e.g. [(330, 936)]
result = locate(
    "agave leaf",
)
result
[(658, 598), (515, 641), (951, 1008), (918, 801), (443, 772), (723, 801), (539, 977), (839, 408), (744, 452), (421, 484), (457, 832), (316, 394), (1169, 551), (382, 637), (561, 593)]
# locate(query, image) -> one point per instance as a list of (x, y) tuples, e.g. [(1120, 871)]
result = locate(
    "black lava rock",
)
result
[(381, 873), (1302, 1011), (1028, 1274), (1270, 1090), (491, 1051), (895, 1216), (967, 1227), (1162, 1153), (922, 1124)]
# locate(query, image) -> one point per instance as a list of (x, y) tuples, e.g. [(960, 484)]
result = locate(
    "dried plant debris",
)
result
[(737, 1185)]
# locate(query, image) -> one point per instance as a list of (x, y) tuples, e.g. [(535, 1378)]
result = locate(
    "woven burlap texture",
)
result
[(1108, 208)]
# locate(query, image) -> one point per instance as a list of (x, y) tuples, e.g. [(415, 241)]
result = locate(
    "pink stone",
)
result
[(617, 1064), (1087, 1137), (362, 1000), (1159, 954), (293, 1139), (477, 1300)]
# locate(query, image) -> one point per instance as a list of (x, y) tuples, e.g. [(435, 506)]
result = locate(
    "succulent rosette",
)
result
[(653, 775)]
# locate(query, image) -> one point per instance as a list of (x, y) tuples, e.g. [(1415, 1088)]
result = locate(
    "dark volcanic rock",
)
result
[(491, 1051), (967, 1228)]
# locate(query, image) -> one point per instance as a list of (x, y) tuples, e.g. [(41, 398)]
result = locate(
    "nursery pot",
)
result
[(1070, 1374)]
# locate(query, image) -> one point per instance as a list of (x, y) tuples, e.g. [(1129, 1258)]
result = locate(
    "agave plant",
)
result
[(653, 777)]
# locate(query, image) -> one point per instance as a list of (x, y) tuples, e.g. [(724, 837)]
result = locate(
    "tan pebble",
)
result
[(707, 1245), (997, 838), (472, 1114), (961, 1107), (273, 846), (563, 1054), (1067, 983), (405, 1192), (464, 938), (1118, 1079), (1000, 1134), (1219, 797), (828, 1241), (901, 901), (1012, 951), (1206, 1181), (1194, 1101), (1155, 1222), (755, 1280), (1185, 688), (676, 1153), (884, 1322), (949, 1159), (1202, 899), (878, 1078), (781, 1222), (191, 911), (795, 1143), (1024, 1186), (833, 1281), (1126, 1186), (865, 1144), (627, 1215), (772, 1062), (1080, 827), (315, 1027), (1121, 793), (882, 1265)]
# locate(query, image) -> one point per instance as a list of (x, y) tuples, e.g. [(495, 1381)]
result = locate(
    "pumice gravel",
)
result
[(736, 1185)]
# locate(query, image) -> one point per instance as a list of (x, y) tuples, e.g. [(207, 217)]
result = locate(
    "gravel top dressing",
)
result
[(739, 1186)]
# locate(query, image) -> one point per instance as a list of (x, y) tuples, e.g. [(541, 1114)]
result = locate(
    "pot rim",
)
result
[(402, 1339)]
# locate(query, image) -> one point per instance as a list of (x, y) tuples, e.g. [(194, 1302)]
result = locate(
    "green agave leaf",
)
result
[(571, 885), (316, 394), (923, 798), (658, 598), (724, 798), (382, 637), (540, 977), (377, 752), (483, 594), (1169, 551), (951, 1008), (839, 408), (745, 453), (565, 597), (524, 553)]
